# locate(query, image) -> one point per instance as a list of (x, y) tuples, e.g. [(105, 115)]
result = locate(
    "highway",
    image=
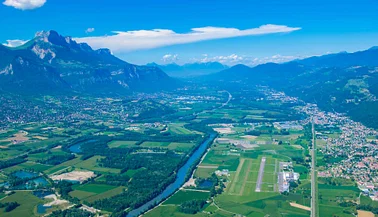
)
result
[(313, 174)]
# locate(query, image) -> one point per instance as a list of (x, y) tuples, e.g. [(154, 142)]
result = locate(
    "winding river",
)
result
[(180, 180)]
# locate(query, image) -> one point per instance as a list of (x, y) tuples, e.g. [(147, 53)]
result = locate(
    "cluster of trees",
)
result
[(36, 151), (74, 212), (64, 188), (56, 159), (370, 208), (118, 180), (267, 131), (192, 206), (9, 206), (253, 133), (146, 184), (154, 109), (12, 162), (331, 159), (335, 181), (159, 170), (365, 112), (347, 204)]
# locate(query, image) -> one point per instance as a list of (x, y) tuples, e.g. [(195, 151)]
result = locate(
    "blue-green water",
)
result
[(42, 209), (206, 184), (31, 184), (24, 174), (41, 194), (76, 148)]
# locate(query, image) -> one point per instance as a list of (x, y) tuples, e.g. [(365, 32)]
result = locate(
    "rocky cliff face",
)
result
[(68, 64)]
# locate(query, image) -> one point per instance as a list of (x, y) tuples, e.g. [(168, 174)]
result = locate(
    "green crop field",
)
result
[(106, 194), (28, 165), (94, 188), (2, 195), (179, 129), (217, 158), (186, 195), (28, 203), (204, 172), (121, 144), (81, 194), (92, 165), (150, 144), (241, 183), (180, 146), (62, 166), (167, 127), (93, 192), (131, 173), (166, 211)]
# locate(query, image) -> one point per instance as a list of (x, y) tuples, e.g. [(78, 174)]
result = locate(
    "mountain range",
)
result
[(343, 82), (190, 69), (51, 63)]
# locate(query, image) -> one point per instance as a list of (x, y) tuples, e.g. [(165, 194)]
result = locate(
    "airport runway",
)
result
[(261, 173)]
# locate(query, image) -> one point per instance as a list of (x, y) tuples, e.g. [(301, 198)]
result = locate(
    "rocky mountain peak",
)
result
[(54, 38), (104, 51)]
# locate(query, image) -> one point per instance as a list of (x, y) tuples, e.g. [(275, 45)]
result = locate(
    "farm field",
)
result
[(121, 144), (28, 165), (62, 166), (240, 196), (168, 210), (28, 203), (148, 144), (93, 192), (178, 128), (186, 195), (136, 144), (328, 195), (92, 165)]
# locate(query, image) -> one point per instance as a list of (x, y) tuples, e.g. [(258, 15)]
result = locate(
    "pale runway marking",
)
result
[(261, 173)]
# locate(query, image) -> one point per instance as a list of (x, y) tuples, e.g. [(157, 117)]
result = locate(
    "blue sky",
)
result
[(301, 28)]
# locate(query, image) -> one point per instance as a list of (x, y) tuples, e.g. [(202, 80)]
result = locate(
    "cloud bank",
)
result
[(170, 57), (14, 43), (235, 59), (89, 30), (25, 4), (148, 39)]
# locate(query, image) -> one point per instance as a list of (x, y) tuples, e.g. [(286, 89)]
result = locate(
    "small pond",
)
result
[(206, 184), (40, 181), (24, 174), (41, 209), (42, 194)]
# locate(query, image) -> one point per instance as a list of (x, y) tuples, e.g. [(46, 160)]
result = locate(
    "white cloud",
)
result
[(230, 59), (274, 59), (14, 43), (25, 4), (148, 39), (89, 30), (235, 59), (170, 57)]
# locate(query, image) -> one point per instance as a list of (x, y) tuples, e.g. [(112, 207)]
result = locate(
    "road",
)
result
[(228, 100), (313, 174), (223, 104), (261, 173)]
